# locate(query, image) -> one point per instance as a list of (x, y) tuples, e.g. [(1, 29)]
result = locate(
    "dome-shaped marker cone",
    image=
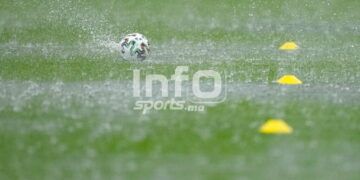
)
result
[(289, 80), (275, 126), (289, 46)]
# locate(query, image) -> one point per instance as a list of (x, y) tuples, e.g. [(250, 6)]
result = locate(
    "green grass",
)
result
[(66, 104)]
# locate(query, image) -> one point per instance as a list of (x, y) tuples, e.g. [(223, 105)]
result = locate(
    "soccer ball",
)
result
[(134, 46)]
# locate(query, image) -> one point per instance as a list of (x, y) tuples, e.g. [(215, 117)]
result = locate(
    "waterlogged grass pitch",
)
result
[(66, 96)]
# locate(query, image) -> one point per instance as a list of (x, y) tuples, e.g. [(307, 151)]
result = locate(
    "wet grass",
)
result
[(66, 105)]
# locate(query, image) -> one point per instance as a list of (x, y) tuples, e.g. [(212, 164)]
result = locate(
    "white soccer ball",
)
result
[(134, 46)]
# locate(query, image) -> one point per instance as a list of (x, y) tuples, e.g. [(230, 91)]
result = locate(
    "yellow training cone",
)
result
[(289, 79), (289, 46), (275, 126)]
